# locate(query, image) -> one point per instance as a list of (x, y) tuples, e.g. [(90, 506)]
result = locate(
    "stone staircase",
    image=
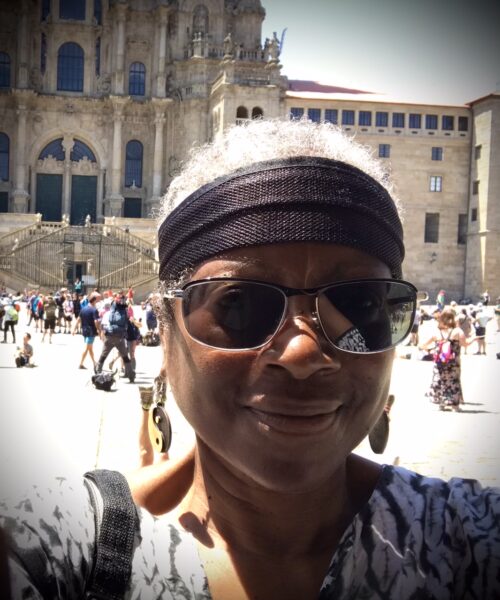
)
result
[(42, 254)]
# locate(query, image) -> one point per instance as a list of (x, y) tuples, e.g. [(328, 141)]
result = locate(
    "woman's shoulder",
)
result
[(167, 561), (421, 537), (51, 531), (458, 517)]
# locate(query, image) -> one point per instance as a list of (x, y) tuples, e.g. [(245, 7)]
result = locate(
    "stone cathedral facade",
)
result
[(105, 98), (100, 101)]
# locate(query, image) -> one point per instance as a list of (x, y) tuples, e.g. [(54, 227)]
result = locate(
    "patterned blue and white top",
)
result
[(416, 538)]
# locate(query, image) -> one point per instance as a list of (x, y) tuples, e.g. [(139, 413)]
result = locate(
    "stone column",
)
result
[(20, 196), (159, 106), (100, 196), (119, 75), (162, 51), (67, 143), (114, 201)]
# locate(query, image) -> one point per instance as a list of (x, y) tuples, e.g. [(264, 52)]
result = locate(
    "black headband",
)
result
[(301, 199)]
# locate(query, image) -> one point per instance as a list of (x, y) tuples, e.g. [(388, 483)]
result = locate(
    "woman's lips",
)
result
[(296, 424)]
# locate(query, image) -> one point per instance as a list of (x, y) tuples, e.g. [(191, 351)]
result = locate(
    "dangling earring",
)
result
[(159, 427), (379, 434)]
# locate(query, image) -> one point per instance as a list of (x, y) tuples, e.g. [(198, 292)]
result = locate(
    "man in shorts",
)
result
[(49, 316), (88, 320)]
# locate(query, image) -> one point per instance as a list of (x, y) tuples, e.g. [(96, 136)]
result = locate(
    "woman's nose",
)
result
[(301, 348)]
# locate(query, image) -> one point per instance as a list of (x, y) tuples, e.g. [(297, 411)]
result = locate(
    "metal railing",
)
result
[(109, 256)]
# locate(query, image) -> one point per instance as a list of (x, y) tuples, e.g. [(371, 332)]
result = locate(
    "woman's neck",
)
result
[(227, 510)]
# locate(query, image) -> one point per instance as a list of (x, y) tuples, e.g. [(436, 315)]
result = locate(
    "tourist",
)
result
[(10, 321), (114, 328), (25, 354), (446, 386), (282, 301), (481, 320), (89, 324), (50, 314), (68, 311)]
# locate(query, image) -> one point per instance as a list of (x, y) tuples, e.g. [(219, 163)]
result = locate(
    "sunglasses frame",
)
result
[(288, 292)]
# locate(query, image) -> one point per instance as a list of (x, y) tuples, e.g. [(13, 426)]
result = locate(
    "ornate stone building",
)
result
[(445, 161), (100, 100)]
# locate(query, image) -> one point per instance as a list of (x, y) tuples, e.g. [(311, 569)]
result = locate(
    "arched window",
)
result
[(242, 112), (4, 70), (70, 68), (4, 157), (54, 149), (137, 79), (257, 113), (133, 164), (72, 9), (200, 19), (81, 150)]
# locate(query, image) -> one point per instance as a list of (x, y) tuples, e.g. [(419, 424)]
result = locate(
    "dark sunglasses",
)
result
[(358, 316)]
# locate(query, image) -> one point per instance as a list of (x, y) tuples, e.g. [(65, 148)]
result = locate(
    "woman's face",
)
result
[(284, 416)]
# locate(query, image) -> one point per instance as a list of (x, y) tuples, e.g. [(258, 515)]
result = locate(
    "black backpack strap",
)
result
[(116, 524)]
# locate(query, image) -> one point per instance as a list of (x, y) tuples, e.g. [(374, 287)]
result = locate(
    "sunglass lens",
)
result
[(232, 315), (367, 316)]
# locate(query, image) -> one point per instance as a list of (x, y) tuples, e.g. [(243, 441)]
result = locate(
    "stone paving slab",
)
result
[(52, 420)]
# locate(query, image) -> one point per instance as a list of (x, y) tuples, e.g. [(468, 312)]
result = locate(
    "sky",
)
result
[(429, 51)]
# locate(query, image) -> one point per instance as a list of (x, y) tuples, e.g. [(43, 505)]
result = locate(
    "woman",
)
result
[(446, 387), (282, 300), (68, 310)]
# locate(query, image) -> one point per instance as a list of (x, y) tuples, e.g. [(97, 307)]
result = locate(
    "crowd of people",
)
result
[(110, 316)]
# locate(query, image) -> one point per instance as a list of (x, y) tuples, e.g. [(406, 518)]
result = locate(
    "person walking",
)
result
[(88, 322), (10, 321), (115, 332), (446, 387)]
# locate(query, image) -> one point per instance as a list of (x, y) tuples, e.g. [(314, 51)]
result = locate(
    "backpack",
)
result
[(444, 352), (150, 339), (50, 310), (117, 522), (117, 324), (104, 381), (11, 314)]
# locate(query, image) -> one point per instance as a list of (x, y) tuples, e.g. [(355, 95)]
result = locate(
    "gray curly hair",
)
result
[(260, 140)]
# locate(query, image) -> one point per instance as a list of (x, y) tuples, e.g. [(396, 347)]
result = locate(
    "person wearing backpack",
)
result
[(446, 344), (115, 335), (49, 317), (10, 320)]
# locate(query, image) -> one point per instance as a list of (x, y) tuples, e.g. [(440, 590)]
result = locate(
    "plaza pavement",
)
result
[(53, 421)]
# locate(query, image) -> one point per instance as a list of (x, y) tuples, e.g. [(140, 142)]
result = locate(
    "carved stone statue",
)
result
[(228, 46), (104, 84), (88, 221), (274, 47)]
